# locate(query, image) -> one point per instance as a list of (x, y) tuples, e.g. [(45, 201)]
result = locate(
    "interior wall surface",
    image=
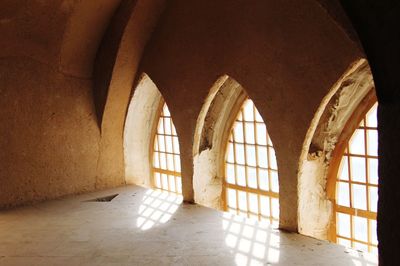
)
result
[(49, 137), (285, 54)]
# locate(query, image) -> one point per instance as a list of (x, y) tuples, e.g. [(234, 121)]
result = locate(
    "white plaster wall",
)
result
[(207, 184), (140, 119)]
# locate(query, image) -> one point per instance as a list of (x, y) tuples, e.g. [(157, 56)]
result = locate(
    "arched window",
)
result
[(251, 172), (354, 181), (166, 156)]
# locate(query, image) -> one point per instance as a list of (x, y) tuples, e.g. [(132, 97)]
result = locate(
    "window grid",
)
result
[(251, 174), (357, 186), (166, 155)]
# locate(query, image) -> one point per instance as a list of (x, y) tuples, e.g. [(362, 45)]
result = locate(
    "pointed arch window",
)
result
[(354, 185), (166, 154), (251, 185)]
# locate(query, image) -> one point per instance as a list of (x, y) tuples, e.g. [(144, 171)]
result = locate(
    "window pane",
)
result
[(158, 180), (250, 138), (241, 175), (164, 181), (373, 199), (374, 237), (253, 202), (261, 134), (163, 161), (238, 132), (360, 227), (156, 161), (272, 159), (372, 117), (167, 126), (258, 117), (242, 200), (166, 110), (343, 225), (252, 177), (275, 208), (239, 153), (372, 141), (161, 144), (358, 169), (357, 190), (172, 183), (230, 156), (250, 153), (265, 208), (344, 169), (166, 154), (168, 144), (262, 156), (179, 182), (263, 176), (160, 128), (230, 173), (177, 163), (176, 145), (170, 162), (373, 171), (359, 196), (356, 143), (248, 111), (231, 198), (343, 194), (274, 181)]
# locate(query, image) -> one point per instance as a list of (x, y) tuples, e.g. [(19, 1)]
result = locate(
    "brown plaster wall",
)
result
[(286, 54), (50, 141), (49, 138)]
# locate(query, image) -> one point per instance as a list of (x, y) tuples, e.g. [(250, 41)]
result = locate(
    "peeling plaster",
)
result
[(315, 210), (211, 133)]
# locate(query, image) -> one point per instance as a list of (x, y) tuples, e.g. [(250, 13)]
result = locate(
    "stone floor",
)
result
[(147, 227)]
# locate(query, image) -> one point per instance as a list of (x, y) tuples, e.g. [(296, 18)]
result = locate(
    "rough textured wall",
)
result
[(315, 209), (285, 54), (49, 137)]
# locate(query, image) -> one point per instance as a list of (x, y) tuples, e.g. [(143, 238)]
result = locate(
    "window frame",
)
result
[(153, 169), (222, 172), (351, 125)]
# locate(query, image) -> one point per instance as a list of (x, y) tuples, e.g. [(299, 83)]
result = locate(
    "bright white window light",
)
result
[(251, 172), (357, 188), (166, 155)]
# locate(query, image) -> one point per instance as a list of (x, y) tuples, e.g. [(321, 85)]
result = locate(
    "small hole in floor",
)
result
[(103, 199)]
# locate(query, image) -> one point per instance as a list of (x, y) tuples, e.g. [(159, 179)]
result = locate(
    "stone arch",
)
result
[(115, 70), (212, 129), (140, 122), (314, 208)]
